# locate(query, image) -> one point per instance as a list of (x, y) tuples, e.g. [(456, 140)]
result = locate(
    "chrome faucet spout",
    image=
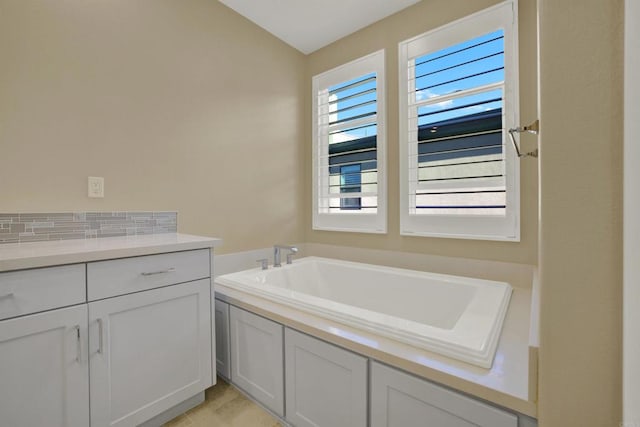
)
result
[(277, 254)]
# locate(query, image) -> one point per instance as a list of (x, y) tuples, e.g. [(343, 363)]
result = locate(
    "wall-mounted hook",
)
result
[(533, 128)]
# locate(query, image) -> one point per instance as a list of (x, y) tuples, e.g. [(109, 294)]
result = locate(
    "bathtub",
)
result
[(458, 317)]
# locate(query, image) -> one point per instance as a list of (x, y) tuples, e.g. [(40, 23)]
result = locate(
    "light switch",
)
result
[(96, 186)]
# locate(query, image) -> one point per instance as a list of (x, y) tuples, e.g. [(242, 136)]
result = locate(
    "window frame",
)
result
[(480, 227), (350, 220)]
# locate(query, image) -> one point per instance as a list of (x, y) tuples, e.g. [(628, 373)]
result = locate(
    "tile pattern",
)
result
[(225, 406), (37, 227)]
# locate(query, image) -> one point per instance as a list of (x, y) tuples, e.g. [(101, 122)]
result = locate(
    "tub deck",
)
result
[(459, 317), (510, 382)]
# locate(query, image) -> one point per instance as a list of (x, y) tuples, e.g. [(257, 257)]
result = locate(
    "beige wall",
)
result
[(386, 34), (180, 105), (580, 201)]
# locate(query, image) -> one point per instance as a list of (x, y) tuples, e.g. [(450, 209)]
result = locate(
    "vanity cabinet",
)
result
[(44, 372), (402, 400), (106, 343), (326, 386), (256, 358), (149, 351), (223, 356)]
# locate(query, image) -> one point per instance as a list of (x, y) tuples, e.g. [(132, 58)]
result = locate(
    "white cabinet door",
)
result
[(44, 374), (222, 339), (402, 400), (256, 358), (149, 351), (326, 386)]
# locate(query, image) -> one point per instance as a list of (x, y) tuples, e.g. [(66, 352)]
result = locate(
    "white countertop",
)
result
[(18, 256)]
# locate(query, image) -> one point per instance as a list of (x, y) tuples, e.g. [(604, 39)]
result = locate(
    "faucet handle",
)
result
[(264, 263), (290, 256)]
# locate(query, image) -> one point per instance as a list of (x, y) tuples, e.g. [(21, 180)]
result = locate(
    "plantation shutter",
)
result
[(459, 178), (347, 148), (456, 127)]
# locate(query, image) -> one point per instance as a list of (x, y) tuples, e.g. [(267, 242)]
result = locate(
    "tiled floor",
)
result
[(224, 406)]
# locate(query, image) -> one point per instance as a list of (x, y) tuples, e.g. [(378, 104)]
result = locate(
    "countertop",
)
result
[(509, 383), (18, 256)]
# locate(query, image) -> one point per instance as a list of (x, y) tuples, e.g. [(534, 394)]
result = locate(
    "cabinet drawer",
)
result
[(123, 276), (30, 291)]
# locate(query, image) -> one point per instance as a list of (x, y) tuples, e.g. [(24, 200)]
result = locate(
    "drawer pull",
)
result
[(153, 273), (78, 348), (5, 296), (100, 343)]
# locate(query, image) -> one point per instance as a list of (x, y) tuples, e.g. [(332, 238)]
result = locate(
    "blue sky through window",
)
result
[(476, 62), (351, 100)]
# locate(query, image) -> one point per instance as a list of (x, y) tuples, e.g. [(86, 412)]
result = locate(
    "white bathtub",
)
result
[(455, 316)]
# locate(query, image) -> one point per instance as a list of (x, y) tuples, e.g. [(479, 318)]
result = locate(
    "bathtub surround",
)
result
[(506, 384), (511, 382), (39, 227), (450, 315)]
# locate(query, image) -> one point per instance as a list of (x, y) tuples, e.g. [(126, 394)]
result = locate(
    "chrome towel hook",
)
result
[(533, 128)]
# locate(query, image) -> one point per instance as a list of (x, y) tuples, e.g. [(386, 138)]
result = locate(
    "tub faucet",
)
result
[(276, 254), (264, 263)]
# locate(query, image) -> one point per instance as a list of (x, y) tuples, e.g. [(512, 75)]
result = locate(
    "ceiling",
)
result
[(309, 25)]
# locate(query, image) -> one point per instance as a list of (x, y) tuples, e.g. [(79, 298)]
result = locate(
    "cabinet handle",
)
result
[(153, 273), (5, 296), (100, 343), (78, 348)]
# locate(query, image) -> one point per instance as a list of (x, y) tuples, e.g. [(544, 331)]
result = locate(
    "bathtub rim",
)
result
[(482, 356)]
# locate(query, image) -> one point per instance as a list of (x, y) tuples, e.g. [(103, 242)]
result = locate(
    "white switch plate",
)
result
[(96, 186)]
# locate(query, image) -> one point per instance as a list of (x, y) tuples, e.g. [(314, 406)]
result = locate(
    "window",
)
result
[(458, 98), (349, 182)]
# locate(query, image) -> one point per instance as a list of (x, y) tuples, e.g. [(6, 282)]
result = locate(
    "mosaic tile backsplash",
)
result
[(37, 227)]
